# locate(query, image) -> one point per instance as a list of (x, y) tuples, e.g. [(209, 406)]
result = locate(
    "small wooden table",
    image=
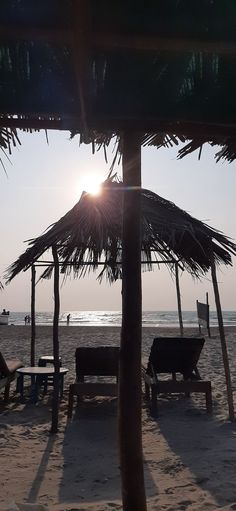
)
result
[(39, 376)]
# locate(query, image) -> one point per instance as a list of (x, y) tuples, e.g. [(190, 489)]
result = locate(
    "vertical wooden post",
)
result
[(32, 348), (55, 402), (223, 343), (208, 315), (199, 326), (130, 398), (179, 299)]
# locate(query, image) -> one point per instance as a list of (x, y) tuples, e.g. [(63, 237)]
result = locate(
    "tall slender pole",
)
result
[(130, 429), (179, 299), (55, 402), (198, 318), (208, 315), (32, 349), (223, 343)]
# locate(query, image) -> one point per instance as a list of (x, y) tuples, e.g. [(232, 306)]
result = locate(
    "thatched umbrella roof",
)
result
[(91, 232), (165, 68)]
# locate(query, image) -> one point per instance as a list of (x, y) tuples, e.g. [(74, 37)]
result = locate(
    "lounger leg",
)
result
[(209, 401), (6, 392), (70, 403), (154, 410)]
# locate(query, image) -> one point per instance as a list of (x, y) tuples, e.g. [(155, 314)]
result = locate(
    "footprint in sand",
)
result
[(184, 504)]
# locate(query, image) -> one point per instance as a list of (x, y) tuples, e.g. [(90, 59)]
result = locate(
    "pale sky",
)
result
[(43, 183)]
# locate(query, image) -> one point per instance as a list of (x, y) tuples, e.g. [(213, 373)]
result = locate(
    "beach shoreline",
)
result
[(189, 456)]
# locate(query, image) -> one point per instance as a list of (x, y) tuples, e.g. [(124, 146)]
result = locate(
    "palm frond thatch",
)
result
[(9, 138), (91, 232)]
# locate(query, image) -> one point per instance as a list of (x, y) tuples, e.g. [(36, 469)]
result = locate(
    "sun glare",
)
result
[(91, 183)]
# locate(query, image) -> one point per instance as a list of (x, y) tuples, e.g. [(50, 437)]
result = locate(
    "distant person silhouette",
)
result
[(27, 319), (68, 319)]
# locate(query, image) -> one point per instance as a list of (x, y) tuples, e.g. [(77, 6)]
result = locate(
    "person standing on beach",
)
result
[(68, 319)]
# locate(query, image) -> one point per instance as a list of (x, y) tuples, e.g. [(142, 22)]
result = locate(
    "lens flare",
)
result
[(91, 183)]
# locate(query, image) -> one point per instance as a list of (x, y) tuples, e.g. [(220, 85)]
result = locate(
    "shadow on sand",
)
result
[(203, 444), (91, 470)]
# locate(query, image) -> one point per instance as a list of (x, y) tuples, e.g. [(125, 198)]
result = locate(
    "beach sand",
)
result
[(189, 456)]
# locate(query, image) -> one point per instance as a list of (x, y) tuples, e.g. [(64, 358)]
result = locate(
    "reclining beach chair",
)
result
[(102, 361), (8, 374), (173, 355)]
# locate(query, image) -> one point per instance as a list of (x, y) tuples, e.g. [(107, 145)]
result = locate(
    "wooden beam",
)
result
[(175, 43), (116, 125), (100, 263), (26, 32), (117, 41)]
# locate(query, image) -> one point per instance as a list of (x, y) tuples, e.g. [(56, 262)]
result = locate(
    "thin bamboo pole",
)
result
[(32, 348), (208, 315), (179, 299), (223, 343), (55, 402), (130, 429), (199, 326)]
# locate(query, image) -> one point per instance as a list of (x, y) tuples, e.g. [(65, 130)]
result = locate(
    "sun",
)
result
[(91, 183)]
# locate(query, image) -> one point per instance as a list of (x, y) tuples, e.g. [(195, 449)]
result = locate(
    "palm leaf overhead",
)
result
[(8, 139), (174, 90), (91, 232)]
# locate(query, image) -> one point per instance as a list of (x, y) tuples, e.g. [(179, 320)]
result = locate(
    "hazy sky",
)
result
[(44, 182)]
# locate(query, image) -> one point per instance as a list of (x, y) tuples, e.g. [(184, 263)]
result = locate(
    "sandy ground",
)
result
[(189, 457)]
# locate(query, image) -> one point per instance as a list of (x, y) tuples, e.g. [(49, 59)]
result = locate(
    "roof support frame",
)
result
[(117, 41), (207, 131)]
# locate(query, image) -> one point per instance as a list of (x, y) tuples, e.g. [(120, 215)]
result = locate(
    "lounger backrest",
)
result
[(175, 354), (4, 371), (101, 361)]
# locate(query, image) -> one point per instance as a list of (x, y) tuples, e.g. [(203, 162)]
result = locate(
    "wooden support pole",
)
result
[(32, 348), (223, 343), (55, 402), (199, 325), (179, 299), (208, 315), (130, 399)]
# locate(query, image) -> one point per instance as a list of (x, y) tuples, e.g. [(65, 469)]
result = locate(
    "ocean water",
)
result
[(113, 318)]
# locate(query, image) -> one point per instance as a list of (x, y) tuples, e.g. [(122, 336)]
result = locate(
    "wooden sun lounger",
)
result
[(173, 355), (100, 361), (8, 374)]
